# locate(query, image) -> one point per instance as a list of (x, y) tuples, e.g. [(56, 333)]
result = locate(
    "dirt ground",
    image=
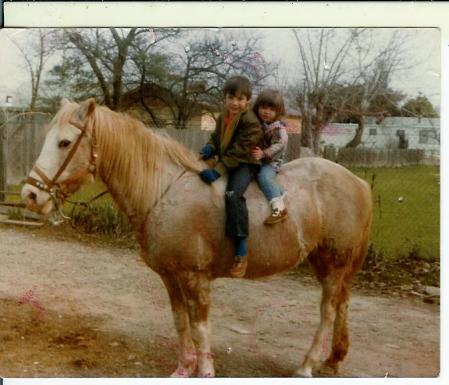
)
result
[(74, 309)]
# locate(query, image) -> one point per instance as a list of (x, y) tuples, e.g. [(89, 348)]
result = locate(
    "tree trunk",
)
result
[(306, 133), (33, 90), (154, 118), (318, 125), (316, 140), (117, 82), (33, 99), (306, 125), (357, 139), (119, 64), (116, 89)]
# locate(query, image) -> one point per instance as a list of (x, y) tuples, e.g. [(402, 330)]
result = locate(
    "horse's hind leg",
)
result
[(186, 353), (340, 339), (330, 287), (196, 289)]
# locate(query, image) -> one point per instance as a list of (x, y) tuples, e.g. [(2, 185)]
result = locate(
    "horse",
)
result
[(179, 221)]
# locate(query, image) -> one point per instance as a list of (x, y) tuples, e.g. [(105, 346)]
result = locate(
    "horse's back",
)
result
[(327, 206), (326, 203)]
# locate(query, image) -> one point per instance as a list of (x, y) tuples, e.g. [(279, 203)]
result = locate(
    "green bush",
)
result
[(101, 216)]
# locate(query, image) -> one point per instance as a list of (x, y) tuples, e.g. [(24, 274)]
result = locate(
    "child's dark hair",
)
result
[(238, 85), (270, 98)]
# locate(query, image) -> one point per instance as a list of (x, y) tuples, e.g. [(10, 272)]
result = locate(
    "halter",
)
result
[(61, 190)]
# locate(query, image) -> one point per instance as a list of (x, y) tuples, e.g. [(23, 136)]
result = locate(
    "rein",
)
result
[(59, 191)]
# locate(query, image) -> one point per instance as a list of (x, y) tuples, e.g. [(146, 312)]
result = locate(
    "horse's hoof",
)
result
[(328, 370), (180, 373), (206, 375), (303, 372)]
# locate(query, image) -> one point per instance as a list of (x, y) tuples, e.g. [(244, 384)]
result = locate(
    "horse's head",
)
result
[(67, 158)]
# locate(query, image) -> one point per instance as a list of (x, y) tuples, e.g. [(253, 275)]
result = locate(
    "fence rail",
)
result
[(362, 157)]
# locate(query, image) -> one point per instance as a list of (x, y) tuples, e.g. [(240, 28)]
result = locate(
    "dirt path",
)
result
[(76, 310)]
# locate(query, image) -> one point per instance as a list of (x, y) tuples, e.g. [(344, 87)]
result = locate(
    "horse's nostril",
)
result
[(32, 196)]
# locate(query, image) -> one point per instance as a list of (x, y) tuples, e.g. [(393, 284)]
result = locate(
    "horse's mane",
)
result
[(137, 155)]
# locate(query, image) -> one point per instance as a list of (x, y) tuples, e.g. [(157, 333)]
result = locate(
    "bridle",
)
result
[(59, 191)]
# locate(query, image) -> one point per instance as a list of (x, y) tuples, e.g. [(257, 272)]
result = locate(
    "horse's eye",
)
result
[(64, 143)]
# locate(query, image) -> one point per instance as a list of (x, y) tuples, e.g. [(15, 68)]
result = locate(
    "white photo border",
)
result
[(262, 14)]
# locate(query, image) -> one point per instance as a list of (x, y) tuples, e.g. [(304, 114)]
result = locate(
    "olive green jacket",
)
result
[(234, 144)]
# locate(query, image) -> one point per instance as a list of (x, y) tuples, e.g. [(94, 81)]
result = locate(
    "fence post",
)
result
[(29, 126)]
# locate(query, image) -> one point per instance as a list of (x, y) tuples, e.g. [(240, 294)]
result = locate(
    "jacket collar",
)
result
[(226, 133)]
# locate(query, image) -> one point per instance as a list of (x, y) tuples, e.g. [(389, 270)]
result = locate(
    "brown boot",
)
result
[(238, 268), (276, 216)]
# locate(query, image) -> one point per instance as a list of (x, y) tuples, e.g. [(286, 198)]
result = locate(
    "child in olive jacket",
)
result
[(237, 133)]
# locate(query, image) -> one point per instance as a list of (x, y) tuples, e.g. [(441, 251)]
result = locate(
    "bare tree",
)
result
[(35, 51), (344, 71), (201, 69), (323, 57), (374, 71)]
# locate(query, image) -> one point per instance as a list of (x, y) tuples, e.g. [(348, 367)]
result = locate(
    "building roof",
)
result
[(158, 96)]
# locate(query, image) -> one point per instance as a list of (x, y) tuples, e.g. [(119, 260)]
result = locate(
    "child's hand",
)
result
[(257, 153), (209, 175), (207, 152)]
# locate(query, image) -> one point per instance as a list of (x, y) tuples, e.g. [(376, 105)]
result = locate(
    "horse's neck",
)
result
[(135, 207), (129, 191)]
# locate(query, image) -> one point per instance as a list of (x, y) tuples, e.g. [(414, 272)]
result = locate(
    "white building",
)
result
[(421, 133), (12, 100)]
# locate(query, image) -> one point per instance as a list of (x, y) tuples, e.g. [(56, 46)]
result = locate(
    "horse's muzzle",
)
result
[(36, 200)]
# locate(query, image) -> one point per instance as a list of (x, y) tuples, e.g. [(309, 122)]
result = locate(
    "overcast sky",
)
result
[(423, 51)]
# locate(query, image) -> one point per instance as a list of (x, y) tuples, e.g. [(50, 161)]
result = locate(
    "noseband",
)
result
[(61, 190)]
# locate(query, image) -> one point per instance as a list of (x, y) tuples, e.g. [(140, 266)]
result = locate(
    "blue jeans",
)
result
[(266, 179), (236, 210)]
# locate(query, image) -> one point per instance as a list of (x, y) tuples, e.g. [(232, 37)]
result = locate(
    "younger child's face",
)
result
[(267, 113), (236, 104)]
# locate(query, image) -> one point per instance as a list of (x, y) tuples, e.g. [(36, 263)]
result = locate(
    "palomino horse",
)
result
[(180, 220)]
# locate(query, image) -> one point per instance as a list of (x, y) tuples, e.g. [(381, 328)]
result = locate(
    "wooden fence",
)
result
[(21, 140), (363, 157), (350, 157), (195, 139)]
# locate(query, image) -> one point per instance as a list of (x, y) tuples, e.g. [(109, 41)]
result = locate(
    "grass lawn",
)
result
[(413, 224)]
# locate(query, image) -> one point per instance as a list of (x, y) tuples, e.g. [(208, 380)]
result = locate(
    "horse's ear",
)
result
[(87, 108), (64, 101)]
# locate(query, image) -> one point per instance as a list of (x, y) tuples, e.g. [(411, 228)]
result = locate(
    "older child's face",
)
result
[(267, 113), (236, 104)]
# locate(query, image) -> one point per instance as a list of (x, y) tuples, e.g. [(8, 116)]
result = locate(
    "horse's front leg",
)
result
[(196, 289), (186, 353)]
